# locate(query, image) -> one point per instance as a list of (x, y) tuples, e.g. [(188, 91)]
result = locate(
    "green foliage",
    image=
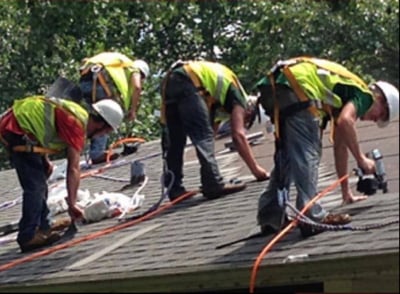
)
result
[(40, 40)]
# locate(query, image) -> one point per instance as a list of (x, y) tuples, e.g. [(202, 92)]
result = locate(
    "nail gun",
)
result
[(369, 184)]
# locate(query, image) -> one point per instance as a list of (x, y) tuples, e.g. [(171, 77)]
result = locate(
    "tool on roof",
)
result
[(166, 172), (369, 184)]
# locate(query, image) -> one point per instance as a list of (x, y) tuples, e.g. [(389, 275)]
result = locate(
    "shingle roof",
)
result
[(176, 249)]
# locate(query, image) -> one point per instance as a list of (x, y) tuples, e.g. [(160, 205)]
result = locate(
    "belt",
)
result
[(33, 149)]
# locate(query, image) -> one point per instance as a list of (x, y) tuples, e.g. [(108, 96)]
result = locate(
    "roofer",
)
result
[(35, 127), (112, 75), (192, 92), (301, 94)]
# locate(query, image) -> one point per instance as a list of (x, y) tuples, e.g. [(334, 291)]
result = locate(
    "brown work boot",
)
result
[(336, 219), (40, 239), (226, 189), (60, 224), (330, 219)]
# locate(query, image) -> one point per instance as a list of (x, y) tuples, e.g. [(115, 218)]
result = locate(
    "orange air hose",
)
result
[(291, 225), (94, 235), (119, 142), (109, 153), (85, 175)]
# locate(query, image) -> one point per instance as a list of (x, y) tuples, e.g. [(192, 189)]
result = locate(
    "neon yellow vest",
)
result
[(216, 78), (318, 77), (120, 68), (36, 115)]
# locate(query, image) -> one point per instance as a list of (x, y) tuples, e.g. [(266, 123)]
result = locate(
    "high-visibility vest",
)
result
[(314, 79), (212, 80), (318, 77), (120, 68), (215, 78), (36, 115)]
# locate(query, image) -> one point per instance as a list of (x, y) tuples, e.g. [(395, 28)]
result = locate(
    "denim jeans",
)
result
[(188, 115), (297, 161), (31, 171), (98, 146), (86, 88)]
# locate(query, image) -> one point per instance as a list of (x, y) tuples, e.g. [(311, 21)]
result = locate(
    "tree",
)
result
[(40, 40)]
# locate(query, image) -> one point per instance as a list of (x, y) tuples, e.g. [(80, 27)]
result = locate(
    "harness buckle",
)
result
[(96, 68)]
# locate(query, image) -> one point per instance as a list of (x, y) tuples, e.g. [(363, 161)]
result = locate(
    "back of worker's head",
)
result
[(110, 111), (391, 95)]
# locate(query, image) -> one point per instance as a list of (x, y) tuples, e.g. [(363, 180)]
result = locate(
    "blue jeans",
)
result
[(187, 115), (86, 86), (31, 170), (296, 161), (98, 146)]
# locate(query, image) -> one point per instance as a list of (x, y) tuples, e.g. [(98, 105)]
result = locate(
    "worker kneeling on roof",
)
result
[(35, 127), (300, 94)]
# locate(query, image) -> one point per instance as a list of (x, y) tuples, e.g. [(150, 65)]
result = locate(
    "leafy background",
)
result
[(40, 40)]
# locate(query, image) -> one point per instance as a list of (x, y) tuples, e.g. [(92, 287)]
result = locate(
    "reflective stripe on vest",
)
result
[(216, 79), (36, 115)]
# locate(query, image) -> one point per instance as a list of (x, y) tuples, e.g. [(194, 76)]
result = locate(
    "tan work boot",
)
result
[(40, 239), (227, 189), (60, 224), (336, 219)]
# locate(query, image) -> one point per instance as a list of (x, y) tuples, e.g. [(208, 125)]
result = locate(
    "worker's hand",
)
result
[(131, 115), (349, 198), (75, 213), (367, 165), (261, 174)]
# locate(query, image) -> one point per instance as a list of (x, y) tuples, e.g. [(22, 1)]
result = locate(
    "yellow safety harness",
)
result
[(210, 101), (100, 74), (315, 106)]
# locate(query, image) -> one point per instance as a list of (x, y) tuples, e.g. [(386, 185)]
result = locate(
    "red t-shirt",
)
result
[(69, 129)]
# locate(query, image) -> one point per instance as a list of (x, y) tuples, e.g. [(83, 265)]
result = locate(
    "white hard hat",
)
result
[(392, 98), (110, 111), (143, 67)]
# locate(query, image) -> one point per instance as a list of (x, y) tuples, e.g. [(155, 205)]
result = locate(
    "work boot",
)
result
[(336, 219), (176, 192), (130, 148), (269, 229), (102, 158), (60, 224), (40, 239), (225, 190), (330, 219)]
